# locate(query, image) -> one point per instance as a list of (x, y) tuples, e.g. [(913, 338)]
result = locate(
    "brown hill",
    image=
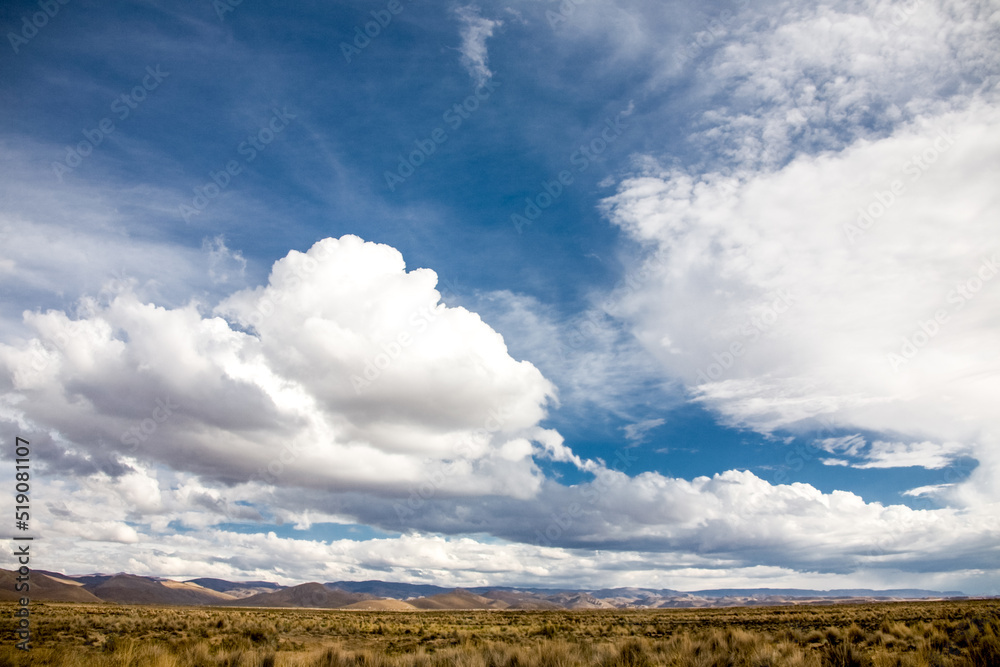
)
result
[(130, 589), (44, 588), (195, 588), (312, 595), (61, 578), (384, 604), (519, 600), (579, 601), (458, 599), (242, 589)]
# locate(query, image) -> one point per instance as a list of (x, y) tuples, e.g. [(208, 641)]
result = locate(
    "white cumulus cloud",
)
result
[(344, 372)]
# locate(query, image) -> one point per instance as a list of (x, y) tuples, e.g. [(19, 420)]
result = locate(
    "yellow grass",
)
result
[(910, 634)]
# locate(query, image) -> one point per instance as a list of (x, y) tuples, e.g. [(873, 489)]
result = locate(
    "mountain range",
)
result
[(125, 588)]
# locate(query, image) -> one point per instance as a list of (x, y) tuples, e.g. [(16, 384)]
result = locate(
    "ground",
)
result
[(907, 634)]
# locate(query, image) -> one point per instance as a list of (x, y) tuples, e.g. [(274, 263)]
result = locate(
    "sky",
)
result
[(589, 293)]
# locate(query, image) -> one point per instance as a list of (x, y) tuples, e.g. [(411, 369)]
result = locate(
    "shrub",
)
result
[(844, 655)]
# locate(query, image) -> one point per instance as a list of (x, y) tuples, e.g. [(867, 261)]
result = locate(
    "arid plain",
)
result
[(955, 633)]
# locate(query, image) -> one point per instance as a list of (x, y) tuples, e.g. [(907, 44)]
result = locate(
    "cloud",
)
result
[(475, 31), (929, 490), (614, 531), (638, 432), (592, 359), (224, 265), (882, 454), (821, 77), (344, 371), (782, 296), (850, 445), (344, 391), (456, 561), (931, 455), (96, 237), (781, 277), (825, 255)]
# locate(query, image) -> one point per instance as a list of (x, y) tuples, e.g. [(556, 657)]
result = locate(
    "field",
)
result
[(910, 634)]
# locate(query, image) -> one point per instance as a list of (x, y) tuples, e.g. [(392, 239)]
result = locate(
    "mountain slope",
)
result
[(311, 595), (580, 600), (237, 589), (381, 604), (519, 600), (43, 588), (130, 589), (380, 595), (457, 599), (388, 589), (836, 593)]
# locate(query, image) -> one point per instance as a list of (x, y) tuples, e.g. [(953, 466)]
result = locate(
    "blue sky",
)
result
[(616, 292)]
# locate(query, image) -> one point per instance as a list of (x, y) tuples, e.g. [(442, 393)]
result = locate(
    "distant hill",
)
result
[(580, 600), (522, 600), (131, 589), (237, 589), (384, 595), (634, 592), (310, 595), (836, 593), (458, 599), (388, 589), (381, 604), (195, 589), (84, 579), (44, 588)]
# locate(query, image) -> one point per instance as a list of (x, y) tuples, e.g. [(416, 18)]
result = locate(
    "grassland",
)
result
[(907, 634)]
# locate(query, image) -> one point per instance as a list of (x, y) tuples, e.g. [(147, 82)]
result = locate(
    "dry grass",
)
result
[(929, 634)]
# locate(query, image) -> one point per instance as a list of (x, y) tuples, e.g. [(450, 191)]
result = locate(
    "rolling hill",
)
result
[(520, 600), (381, 604), (45, 588), (132, 589), (389, 596), (312, 595), (237, 589), (388, 589), (458, 599)]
